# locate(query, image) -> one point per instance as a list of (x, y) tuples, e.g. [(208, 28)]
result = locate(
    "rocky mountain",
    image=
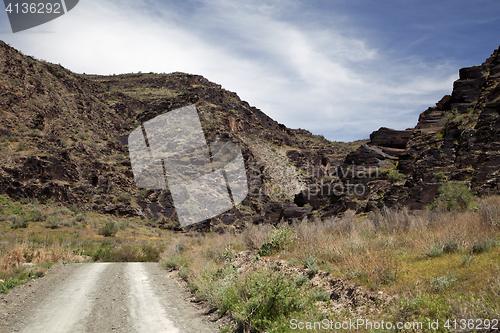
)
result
[(455, 141), (64, 138)]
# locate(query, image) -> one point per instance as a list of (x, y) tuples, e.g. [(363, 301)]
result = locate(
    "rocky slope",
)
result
[(64, 138), (455, 141)]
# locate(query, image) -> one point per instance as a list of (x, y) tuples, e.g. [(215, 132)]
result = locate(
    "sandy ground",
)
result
[(102, 297)]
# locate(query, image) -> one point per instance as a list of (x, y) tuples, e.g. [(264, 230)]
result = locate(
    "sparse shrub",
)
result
[(489, 210), (124, 197), (183, 272), (274, 267), (80, 218), (63, 143), (450, 246), (355, 274), (18, 222), (311, 263), (301, 279), (395, 175), (435, 250), (321, 296), (386, 275), (483, 245), (468, 259), (123, 225), (36, 215), (21, 146), (108, 230), (442, 282), (52, 222)]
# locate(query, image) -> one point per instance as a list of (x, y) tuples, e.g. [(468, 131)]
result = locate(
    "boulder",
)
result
[(387, 137)]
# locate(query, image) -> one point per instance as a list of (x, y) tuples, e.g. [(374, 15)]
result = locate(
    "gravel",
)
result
[(103, 297)]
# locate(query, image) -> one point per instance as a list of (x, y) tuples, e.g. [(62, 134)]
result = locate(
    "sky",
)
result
[(338, 68)]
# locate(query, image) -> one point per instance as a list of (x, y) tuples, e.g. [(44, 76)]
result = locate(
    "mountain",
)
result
[(64, 138), (456, 141)]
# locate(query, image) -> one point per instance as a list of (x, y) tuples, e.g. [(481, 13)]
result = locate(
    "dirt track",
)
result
[(102, 297)]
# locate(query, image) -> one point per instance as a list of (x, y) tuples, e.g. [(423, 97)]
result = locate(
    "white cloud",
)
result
[(299, 73)]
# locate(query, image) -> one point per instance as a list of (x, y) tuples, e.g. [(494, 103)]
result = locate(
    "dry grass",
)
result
[(11, 259), (442, 265)]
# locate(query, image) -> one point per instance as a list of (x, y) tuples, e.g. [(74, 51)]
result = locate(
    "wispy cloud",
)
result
[(297, 69)]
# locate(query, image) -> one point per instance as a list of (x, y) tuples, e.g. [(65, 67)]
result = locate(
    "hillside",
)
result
[(64, 136)]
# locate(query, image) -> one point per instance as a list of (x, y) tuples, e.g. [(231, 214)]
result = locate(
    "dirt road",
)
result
[(102, 297)]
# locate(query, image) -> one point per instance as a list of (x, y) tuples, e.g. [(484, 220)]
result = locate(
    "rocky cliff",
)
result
[(455, 141)]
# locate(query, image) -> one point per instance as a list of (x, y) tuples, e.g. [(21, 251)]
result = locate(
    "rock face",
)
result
[(457, 140), (386, 137)]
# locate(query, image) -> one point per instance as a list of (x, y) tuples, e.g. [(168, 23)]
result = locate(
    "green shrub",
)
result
[(281, 238), (450, 246), (36, 215), (123, 225), (109, 229), (301, 279), (21, 146), (454, 195), (18, 222), (483, 245), (468, 260), (395, 175), (321, 296), (442, 282), (311, 264), (52, 222), (80, 217), (435, 250), (262, 300), (6, 286)]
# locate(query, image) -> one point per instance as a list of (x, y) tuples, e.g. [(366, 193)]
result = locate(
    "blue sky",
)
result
[(337, 68)]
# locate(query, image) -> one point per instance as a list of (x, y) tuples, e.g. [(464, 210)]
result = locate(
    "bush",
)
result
[(435, 250), (109, 229), (395, 175), (52, 222), (310, 263), (450, 246), (36, 215), (442, 282), (281, 238), (301, 279), (454, 195), (263, 299), (484, 245), (18, 222), (80, 217), (321, 296)]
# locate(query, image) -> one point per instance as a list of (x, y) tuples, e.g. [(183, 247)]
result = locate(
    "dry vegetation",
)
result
[(436, 264), (439, 265)]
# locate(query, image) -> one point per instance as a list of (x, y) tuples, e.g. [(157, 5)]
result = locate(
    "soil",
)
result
[(102, 297)]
